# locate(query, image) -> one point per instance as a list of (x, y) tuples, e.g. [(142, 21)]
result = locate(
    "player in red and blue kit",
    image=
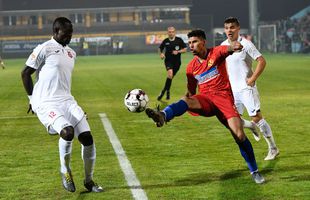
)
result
[(207, 70)]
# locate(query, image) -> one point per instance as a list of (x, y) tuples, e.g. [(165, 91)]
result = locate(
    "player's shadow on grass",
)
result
[(194, 179), (269, 167), (197, 179), (83, 195)]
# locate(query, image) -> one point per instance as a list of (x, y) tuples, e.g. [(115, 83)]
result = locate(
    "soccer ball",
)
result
[(136, 100)]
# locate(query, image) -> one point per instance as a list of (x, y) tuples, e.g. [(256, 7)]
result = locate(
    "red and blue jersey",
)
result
[(210, 75)]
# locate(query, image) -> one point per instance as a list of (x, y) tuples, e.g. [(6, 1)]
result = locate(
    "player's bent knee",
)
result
[(67, 133), (86, 138)]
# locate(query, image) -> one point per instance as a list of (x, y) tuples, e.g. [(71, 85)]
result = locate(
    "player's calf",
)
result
[(168, 95), (160, 96)]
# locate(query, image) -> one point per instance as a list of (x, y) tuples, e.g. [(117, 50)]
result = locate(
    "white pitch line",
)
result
[(17, 117), (132, 181)]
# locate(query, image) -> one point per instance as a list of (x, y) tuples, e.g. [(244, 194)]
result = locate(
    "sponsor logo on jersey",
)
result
[(57, 51), (207, 75)]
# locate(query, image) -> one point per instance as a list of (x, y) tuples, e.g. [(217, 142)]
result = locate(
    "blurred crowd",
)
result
[(294, 35)]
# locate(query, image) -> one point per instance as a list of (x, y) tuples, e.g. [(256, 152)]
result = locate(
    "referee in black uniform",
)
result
[(170, 50)]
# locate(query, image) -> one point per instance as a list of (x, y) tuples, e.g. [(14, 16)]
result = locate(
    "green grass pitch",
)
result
[(189, 158)]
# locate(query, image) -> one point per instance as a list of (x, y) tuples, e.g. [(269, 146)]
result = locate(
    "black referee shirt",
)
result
[(169, 46)]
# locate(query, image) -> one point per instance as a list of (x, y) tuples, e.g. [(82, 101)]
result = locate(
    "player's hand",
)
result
[(162, 56), (250, 82), (235, 46), (30, 110), (175, 52)]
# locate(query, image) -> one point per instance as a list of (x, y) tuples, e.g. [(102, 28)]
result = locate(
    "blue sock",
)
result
[(175, 109), (247, 153)]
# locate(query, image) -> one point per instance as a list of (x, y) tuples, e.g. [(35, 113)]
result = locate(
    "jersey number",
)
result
[(52, 114)]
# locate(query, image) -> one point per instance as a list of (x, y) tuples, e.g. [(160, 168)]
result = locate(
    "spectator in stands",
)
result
[(120, 47), (85, 48), (2, 63), (296, 42), (115, 47)]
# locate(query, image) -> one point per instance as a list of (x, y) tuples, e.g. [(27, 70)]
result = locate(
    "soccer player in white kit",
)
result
[(51, 99), (242, 80)]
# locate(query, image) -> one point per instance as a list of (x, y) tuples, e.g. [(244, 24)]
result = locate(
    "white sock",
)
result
[(270, 141), (266, 130), (89, 158), (65, 148), (247, 124)]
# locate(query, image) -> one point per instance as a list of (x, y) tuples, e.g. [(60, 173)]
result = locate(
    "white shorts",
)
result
[(56, 117), (247, 98)]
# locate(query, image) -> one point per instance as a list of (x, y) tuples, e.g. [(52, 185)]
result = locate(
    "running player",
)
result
[(207, 70), (243, 83), (51, 99), (173, 47)]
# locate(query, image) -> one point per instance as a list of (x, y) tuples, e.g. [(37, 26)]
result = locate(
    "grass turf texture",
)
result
[(190, 158)]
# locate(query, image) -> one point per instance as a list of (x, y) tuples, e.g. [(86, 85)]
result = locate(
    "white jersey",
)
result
[(239, 64), (54, 64)]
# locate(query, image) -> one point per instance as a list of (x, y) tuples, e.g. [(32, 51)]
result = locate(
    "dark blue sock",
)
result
[(247, 153), (175, 109)]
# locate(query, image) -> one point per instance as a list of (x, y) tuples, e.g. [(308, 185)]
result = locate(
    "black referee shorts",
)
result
[(174, 66)]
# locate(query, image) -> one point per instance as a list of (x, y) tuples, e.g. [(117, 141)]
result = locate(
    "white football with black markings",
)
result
[(136, 100)]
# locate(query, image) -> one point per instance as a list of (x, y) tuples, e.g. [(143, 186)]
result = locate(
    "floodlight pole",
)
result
[(253, 15)]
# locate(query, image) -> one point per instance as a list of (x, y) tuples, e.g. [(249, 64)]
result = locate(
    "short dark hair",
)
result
[(197, 33), (229, 20), (60, 22)]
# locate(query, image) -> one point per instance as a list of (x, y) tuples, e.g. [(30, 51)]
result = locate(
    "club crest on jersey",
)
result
[(33, 56), (70, 54), (210, 62)]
